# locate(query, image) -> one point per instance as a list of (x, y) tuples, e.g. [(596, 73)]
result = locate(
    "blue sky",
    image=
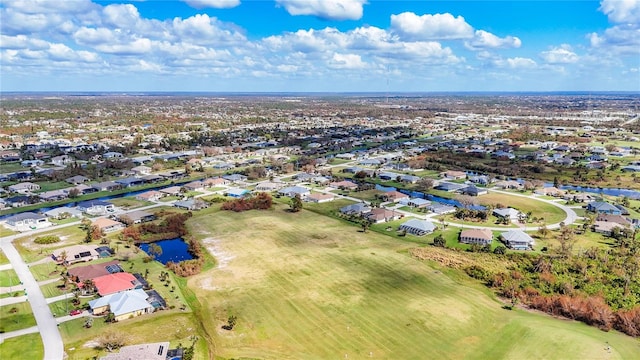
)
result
[(319, 45)]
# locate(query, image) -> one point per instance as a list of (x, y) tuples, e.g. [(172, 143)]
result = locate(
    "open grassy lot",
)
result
[(127, 203), (47, 270), (5, 232), (16, 316), (161, 326), (551, 214), (3, 258), (304, 286), (53, 289), (8, 278), (22, 347), (31, 251), (12, 294)]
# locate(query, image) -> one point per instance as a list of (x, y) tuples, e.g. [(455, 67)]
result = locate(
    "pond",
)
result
[(174, 250)]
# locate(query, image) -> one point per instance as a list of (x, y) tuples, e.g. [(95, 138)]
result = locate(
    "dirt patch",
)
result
[(214, 246), (91, 344)]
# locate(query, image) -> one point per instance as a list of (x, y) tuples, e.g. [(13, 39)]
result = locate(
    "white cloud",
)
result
[(431, 27), (325, 9), (621, 39), (135, 47), (121, 15), (621, 11), (515, 63), (22, 42), (486, 40), (560, 55), (347, 61), (216, 4)]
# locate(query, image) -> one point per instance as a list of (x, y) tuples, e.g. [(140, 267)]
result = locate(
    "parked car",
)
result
[(75, 312)]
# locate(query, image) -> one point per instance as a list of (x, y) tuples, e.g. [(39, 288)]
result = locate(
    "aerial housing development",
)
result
[(319, 179), (337, 208)]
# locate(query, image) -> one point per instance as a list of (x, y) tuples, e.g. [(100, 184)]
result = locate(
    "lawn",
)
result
[(44, 271), (63, 307), (129, 203), (31, 251), (5, 232), (52, 289), (8, 278), (304, 286), (551, 214), (3, 258), (160, 326), (22, 347), (15, 317)]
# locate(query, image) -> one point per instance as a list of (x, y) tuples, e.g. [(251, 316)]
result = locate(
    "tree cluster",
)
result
[(261, 201)]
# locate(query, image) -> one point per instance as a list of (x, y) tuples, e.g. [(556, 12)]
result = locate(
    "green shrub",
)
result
[(48, 239)]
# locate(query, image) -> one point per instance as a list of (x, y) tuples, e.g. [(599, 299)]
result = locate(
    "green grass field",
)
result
[(5, 232), (8, 278), (22, 347), (304, 286), (21, 318), (3, 258), (44, 271), (30, 251), (552, 214)]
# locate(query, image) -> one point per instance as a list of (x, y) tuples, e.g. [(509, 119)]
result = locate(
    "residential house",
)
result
[(130, 182), (476, 236), (62, 160), (20, 200), (82, 189), (380, 215), (136, 217), (394, 196), (619, 219), (23, 188), (415, 202), (236, 192), (63, 213), (75, 253), (191, 204), (95, 207), (215, 182), (27, 221), (411, 179), (112, 155), (151, 195), (31, 163), (107, 225), (320, 198), (106, 186), (124, 305), (507, 213), (517, 240), (171, 191), (115, 283), (89, 272), (417, 227), (141, 170), (453, 175), (235, 178), (602, 207), (473, 190), (78, 179), (152, 178), (355, 209), (449, 186), (344, 185), (269, 186), (194, 186), (292, 191), (53, 195), (606, 227), (551, 191)]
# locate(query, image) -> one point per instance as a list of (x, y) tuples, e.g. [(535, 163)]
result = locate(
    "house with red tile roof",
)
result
[(114, 283)]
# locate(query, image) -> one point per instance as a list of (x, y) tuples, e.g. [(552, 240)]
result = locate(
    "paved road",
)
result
[(11, 334), (47, 326)]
